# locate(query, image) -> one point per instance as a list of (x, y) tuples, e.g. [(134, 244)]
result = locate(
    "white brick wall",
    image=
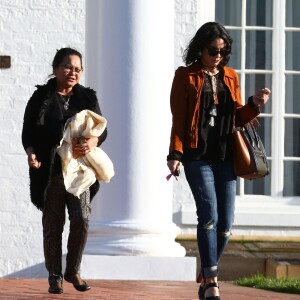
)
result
[(31, 31), (185, 26)]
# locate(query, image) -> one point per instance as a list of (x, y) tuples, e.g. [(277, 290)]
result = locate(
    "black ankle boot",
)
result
[(55, 284)]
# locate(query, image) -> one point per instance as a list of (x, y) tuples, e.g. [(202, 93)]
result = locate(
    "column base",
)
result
[(134, 238), (138, 268)]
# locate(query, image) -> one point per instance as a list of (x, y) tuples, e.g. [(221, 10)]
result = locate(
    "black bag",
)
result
[(250, 159)]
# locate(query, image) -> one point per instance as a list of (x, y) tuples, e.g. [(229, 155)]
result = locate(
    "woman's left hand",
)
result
[(83, 147), (261, 97), (89, 144)]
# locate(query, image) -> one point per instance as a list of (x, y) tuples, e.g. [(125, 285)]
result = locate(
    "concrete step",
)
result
[(288, 268), (242, 258)]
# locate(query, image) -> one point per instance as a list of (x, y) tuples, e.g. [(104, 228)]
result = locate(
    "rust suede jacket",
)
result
[(185, 105)]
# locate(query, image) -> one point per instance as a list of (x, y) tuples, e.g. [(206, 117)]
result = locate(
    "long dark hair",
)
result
[(207, 33), (61, 54)]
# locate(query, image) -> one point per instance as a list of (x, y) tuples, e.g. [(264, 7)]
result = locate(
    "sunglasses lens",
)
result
[(215, 52), (212, 52), (223, 52)]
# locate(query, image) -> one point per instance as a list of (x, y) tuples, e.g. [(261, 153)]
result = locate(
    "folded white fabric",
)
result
[(80, 173)]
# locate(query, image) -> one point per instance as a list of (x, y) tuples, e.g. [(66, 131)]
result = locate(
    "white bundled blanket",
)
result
[(80, 173)]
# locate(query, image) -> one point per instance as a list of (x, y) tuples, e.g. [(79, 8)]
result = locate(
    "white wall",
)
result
[(31, 31)]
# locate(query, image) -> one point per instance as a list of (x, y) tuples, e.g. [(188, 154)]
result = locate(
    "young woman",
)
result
[(205, 104)]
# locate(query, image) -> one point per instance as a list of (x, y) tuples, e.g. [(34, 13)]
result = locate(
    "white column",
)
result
[(207, 14), (129, 61)]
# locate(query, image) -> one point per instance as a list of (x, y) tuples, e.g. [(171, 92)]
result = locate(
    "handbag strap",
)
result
[(257, 139)]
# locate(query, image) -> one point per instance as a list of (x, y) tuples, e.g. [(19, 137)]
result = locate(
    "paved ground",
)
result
[(240, 259), (19, 289)]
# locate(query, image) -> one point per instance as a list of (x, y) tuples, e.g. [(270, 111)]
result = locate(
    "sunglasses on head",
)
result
[(212, 51)]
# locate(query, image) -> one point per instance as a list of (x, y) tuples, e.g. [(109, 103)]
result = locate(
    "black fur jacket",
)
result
[(43, 129)]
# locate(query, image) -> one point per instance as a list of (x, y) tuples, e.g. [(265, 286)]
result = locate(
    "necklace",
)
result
[(208, 69), (66, 102)]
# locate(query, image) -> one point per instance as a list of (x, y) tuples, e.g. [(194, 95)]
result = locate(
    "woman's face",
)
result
[(69, 72), (213, 54)]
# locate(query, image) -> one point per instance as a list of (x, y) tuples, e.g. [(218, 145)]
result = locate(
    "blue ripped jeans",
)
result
[(213, 186)]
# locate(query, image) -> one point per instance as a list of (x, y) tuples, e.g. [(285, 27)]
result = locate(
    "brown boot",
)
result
[(55, 282), (79, 284)]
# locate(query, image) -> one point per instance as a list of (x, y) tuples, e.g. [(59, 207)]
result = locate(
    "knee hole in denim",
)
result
[(209, 226), (225, 234)]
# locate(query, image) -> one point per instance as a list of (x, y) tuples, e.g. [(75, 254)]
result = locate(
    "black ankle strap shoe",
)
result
[(201, 292), (210, 285)]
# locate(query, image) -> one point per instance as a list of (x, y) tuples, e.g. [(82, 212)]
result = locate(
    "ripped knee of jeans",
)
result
[(224, 233), (209, 226)]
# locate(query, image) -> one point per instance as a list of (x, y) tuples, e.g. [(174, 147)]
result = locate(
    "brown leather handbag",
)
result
[(250, 159)]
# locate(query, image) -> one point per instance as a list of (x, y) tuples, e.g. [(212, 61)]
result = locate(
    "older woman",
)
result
[(44, 119), (205, 103)]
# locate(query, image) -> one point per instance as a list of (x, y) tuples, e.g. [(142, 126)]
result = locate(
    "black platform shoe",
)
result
[(55, 284), (201, 292), (201, 287), (210, 285), (79, 284)]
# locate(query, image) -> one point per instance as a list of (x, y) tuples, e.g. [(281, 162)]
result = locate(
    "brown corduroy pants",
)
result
[(57, 199)]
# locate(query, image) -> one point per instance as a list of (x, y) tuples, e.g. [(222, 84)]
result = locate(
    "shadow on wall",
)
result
[(36, 271)]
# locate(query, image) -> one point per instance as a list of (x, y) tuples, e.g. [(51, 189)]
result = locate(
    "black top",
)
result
[(214, 143), (43, 127)]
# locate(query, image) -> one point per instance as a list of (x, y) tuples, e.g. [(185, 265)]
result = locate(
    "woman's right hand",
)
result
[(32, 161), (173, 165), (76, 148)]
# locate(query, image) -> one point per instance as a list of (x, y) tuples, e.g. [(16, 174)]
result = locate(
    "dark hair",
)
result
[(207, 33), (61, 54)]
